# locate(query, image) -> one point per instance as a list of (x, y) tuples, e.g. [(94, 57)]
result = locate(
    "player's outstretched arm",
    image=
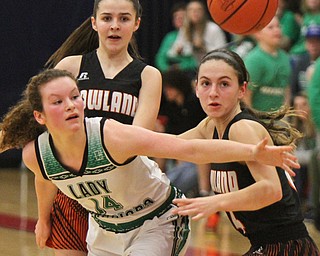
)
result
[(125, 141), (276, 155)]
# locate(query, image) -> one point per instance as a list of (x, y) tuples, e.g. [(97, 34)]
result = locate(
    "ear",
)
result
[(242, 90), (137, 25), (196, 88), (94, 23), (39, 117)]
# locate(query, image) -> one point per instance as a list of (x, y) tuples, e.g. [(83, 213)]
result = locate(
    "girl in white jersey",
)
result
[(97, 163)]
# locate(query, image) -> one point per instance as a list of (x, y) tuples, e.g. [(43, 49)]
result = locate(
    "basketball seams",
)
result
[(235, 11), (264, 12), (242, 17)]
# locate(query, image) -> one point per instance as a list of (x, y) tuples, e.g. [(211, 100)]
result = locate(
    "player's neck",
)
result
[(113, 64), (113, 58)]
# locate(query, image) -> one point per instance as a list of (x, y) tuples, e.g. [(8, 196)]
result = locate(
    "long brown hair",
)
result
[(190, 28), (19, 125), (85, 39)]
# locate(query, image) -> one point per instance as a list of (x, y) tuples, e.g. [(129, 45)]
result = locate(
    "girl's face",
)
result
[(115, 22), (218, 89), (63, 107), (178, 18), (313, 47), (271, 34), (313, 5), (195, 12), (171, 93)]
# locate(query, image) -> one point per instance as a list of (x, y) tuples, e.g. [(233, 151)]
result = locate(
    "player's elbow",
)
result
[(273, 192), (277, 194)]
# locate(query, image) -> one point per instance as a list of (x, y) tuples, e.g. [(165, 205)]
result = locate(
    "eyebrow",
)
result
[(222, 77), (55, 95), (225, 77), (203, 77), (121, 13)]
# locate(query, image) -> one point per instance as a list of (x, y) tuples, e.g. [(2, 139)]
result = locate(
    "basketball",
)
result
[(242, 17)]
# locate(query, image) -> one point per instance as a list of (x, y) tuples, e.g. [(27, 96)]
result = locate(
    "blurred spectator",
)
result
[(313, 90), (314, 167), (180, 104), (290, 25), (304, 66), (310, 16), (269, 69), (167, 57), (198, 35), (242, 44), (305, 148)]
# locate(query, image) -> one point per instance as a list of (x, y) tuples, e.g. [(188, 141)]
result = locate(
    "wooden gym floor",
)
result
[(18, 213)]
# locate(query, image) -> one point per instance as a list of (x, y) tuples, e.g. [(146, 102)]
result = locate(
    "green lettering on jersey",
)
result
[(111, 203), (99, 210)]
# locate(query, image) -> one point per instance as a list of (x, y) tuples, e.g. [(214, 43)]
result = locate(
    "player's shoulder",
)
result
[(206, 128), (247, 131), (151, 69), (29, 155), (70, 60), (150, 72), (71, 64)]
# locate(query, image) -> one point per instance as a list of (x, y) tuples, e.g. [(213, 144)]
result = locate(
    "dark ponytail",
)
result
[(82, 40)]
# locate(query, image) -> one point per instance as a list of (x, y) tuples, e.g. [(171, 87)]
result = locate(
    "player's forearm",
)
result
[(220, 151), (252, 198), (46, 193)]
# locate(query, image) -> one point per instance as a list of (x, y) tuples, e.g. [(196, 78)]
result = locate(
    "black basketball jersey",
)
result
[(115, 98), (281, 221)]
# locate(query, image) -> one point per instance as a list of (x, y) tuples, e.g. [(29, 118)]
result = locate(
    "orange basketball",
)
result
[(242, 17)]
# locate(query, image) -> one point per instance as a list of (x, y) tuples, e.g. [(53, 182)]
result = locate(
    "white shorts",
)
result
[(161, 236)]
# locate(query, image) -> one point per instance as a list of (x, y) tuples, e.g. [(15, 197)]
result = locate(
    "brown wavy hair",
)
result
[(19, 125)]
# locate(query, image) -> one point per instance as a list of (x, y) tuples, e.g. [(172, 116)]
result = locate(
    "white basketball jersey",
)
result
[(119, 197)]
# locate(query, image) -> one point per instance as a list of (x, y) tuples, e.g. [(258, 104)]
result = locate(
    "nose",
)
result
[(213, 91), (115, 25), (69, 105)]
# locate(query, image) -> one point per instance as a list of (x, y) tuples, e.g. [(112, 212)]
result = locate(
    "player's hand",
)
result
[(280, 156), (198, 208), (42, 231)]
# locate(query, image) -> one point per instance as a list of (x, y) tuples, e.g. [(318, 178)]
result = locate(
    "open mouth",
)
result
[(72, 117), (114, 37)]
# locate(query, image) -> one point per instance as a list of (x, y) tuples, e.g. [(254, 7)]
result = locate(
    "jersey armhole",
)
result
[(102, 122), (40, 163)]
